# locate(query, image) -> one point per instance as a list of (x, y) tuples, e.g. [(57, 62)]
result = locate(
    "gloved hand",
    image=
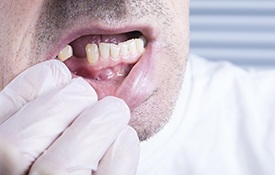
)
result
[(53, 124)]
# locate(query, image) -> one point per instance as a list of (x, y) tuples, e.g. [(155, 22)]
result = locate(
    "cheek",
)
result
[(16, 18), (180, 5), (181, 10)]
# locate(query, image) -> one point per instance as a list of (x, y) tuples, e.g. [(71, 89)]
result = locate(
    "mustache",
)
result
[(57, 15), (60, 11)]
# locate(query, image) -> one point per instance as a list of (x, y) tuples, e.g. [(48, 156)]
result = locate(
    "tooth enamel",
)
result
[(92, 53), (123, 49), (140, 45), (115, 49), (66, 53), (132, 47), (143, 39), (104, 49)]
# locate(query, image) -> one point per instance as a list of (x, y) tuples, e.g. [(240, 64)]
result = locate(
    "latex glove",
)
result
[(81, 147), (35, 109), (30, 84), (122, 158)]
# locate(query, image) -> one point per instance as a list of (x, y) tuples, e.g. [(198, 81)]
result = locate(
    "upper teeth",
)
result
[(66, 53), (127, 50)]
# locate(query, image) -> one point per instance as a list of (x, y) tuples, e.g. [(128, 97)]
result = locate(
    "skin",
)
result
[(29, 27)]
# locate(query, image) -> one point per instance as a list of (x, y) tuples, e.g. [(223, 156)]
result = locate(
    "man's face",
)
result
[(116, 63)]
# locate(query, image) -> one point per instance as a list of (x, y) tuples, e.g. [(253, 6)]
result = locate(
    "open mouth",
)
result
[(114, 65)]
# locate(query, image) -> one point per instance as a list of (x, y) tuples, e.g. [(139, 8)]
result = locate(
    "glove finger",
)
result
[(83, 144), (30, 84), (41, 121), (122, 157)]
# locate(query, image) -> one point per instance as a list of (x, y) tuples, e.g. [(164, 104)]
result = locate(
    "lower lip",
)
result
[(138, 85), (135, 88)]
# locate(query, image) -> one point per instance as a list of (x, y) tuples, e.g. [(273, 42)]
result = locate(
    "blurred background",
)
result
[(241, 31)]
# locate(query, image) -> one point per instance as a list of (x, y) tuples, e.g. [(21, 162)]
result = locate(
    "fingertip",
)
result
[(84, 86), (58, 67), (117, 103), (52, 73), (131, 137)]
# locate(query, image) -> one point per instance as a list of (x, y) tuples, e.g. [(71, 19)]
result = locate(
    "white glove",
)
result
[(44, 111)]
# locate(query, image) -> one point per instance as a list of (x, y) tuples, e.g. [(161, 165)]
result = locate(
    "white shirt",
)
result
[(223, 124)]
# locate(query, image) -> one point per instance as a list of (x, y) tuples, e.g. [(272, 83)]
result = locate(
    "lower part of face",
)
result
[(29, 31)]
